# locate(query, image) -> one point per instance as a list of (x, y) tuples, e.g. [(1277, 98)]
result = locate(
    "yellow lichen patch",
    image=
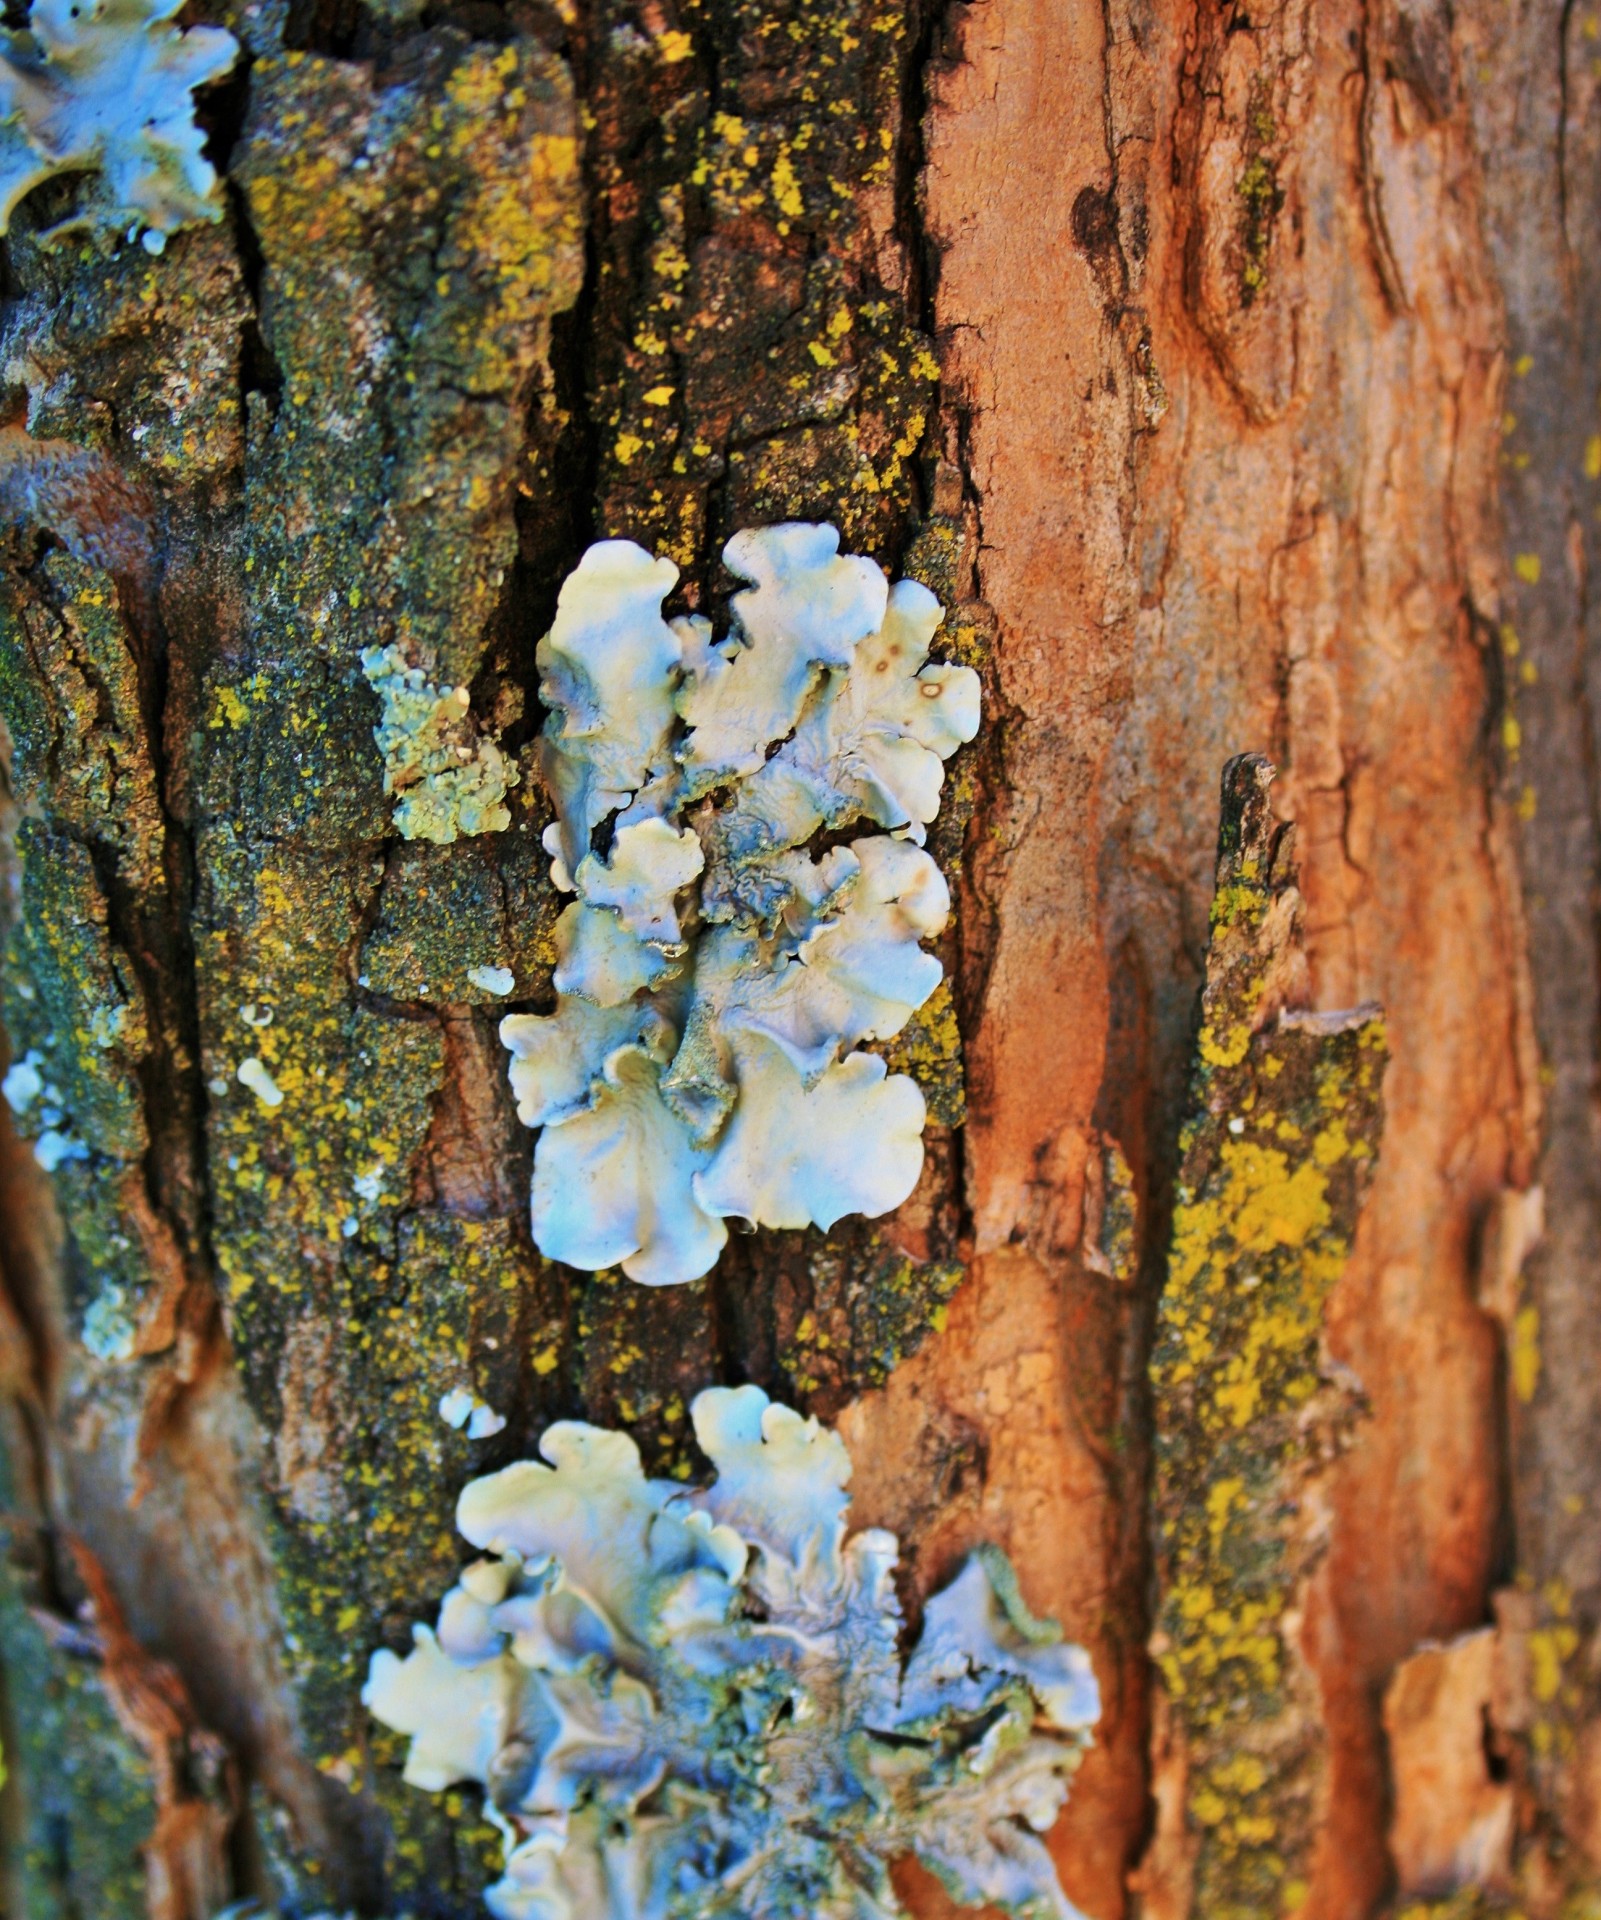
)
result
[(1227, 1049), (929, 1048), (786, 188), (845, 369), (1276, 1154), (228, 709), (1525, 1354)]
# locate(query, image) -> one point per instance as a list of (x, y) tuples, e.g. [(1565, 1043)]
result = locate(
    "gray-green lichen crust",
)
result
[(691, 1704), (449, 783)]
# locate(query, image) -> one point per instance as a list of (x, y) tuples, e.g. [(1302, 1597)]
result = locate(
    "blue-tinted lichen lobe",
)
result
[(687, 1703)]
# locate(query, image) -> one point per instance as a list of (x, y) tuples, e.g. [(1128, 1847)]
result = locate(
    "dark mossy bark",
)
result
[(487, 284)]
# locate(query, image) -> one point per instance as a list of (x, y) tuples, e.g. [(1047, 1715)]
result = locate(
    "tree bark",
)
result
[(1233, 378)]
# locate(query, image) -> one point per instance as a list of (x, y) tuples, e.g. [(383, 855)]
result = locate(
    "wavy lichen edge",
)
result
[(716, 976), (108, 86), (691, 1703)]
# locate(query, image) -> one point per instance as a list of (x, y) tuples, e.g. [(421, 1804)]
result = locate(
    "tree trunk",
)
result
[(1227, 375)]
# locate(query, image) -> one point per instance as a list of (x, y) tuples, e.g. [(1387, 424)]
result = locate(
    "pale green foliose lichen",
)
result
[(714, 977), (108, 1329), (37, 1103), (450, 781), (690, 1704), (107, 86)]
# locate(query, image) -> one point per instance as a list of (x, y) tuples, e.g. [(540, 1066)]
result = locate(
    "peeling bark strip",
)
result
[(1277, 1155), (1193, 356), (1304, 584)]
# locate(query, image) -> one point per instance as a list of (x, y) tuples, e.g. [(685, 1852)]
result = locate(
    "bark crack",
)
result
[(1564, 26), (1370, 105)]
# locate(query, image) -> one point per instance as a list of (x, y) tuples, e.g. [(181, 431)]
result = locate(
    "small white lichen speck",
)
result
[(462, 1409), (713, 977), (53, 1149), (690, 1704), (108, 1329), (23, 1082), (254, 1074), (106, 86)]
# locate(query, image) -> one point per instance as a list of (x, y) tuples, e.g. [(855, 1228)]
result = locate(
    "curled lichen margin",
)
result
[(727, 961), (685, 1703), (107, 86)]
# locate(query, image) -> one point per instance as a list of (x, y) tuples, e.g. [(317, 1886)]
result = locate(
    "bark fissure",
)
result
[(1372, 102)]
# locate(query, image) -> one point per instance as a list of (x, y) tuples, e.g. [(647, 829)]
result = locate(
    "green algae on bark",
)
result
[(77, 1020), (446, 915), (755, 358), (1277, 1153), (81, 1787), (125, 372), (247, 474), (70, 686), (77, 1016)]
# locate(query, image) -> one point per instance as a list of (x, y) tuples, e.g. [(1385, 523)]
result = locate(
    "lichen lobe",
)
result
[(107, 85), (692, 1702), (716, 974)]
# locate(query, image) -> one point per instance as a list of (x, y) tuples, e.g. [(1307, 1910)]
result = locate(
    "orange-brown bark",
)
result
[(1302, 555)]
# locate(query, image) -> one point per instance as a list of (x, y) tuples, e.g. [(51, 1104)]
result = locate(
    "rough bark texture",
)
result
[(1233, 376)]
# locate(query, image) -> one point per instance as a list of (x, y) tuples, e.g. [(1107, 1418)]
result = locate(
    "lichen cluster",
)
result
[(108, 85), (320, 463), (715, 977), (686, 1704)]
